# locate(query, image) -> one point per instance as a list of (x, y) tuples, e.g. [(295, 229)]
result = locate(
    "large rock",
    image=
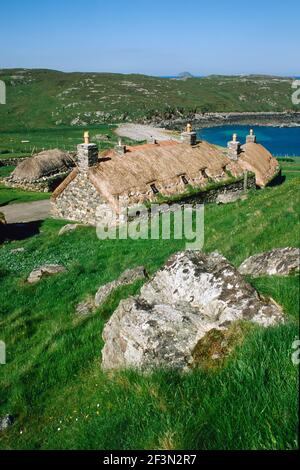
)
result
[(43, 271), (191, 295), (127, 277), (281, 261)]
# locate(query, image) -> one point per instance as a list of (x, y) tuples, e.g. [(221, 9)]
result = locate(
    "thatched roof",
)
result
[(43, 164), (256, 158), (161, 163)]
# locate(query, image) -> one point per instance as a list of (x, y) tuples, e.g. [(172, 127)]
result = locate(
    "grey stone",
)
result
[(43, 271), (281, 261), (6, 422), (128, 277), (68, 228), (226, 198), (85, 308), (189, 296)]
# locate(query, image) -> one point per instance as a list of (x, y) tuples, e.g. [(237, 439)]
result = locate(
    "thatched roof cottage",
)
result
[(96, 189), (40, 171)]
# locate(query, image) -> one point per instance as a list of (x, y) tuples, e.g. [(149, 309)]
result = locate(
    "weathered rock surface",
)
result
[(68, 228), (281, 261), (85, 308), (47, 270), (127, 277), (5, 422), (189, 296)]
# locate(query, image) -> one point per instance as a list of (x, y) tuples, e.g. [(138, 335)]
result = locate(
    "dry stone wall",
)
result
[(81, 202)]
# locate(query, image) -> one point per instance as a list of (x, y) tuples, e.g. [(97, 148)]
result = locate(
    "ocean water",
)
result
[(280, 141)]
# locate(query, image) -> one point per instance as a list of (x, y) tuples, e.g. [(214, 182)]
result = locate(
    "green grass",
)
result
[(14, 195), (64, 138), (53, 382), (48, 98)]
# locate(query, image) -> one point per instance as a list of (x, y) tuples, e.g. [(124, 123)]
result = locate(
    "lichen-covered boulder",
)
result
[(190, 295), (281, 261), (44, 271)]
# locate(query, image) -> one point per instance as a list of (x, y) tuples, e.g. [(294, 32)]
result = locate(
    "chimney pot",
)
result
[(251, 138)]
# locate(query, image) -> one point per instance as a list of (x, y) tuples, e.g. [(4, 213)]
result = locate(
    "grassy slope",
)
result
[(46, 98), (53, 381)]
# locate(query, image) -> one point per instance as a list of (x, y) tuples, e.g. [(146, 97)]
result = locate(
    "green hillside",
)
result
[(47, 98), (53, 384)]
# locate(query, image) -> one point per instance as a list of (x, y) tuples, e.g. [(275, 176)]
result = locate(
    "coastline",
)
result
[(274, 119)]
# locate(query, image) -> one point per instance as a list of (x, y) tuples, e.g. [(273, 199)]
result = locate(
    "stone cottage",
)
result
[(127, 175), (42, 172)]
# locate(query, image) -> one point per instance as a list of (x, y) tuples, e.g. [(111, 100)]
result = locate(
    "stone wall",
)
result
[(211, 195), (42, 185), (11, 161), (81, 202)]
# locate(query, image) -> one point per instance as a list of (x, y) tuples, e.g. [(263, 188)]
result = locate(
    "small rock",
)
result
[(127, 277), (231, 197), (68, 228), (281, 261), (48, 270), (85, 308), (17, 250), (6, 422)]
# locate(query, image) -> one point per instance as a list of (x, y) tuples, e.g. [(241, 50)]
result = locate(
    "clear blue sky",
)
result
[(150, 36)]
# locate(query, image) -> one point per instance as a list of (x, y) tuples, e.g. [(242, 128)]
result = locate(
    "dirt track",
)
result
[(26, 212)]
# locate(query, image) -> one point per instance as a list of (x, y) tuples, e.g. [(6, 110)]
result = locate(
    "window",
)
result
[(154, 188), (184, 180)]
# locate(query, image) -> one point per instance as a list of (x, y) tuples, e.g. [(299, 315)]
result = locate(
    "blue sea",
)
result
[(280, 141)]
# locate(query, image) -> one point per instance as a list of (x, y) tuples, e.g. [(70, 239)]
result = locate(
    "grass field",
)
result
[(13, 195), (27, 142), (53, 383), (48, 98)]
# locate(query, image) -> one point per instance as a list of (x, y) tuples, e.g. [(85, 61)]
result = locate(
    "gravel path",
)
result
[(26, 212), (144, 132)]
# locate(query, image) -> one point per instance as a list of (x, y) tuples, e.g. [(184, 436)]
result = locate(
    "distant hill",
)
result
[(185, 75), (49, 98)]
